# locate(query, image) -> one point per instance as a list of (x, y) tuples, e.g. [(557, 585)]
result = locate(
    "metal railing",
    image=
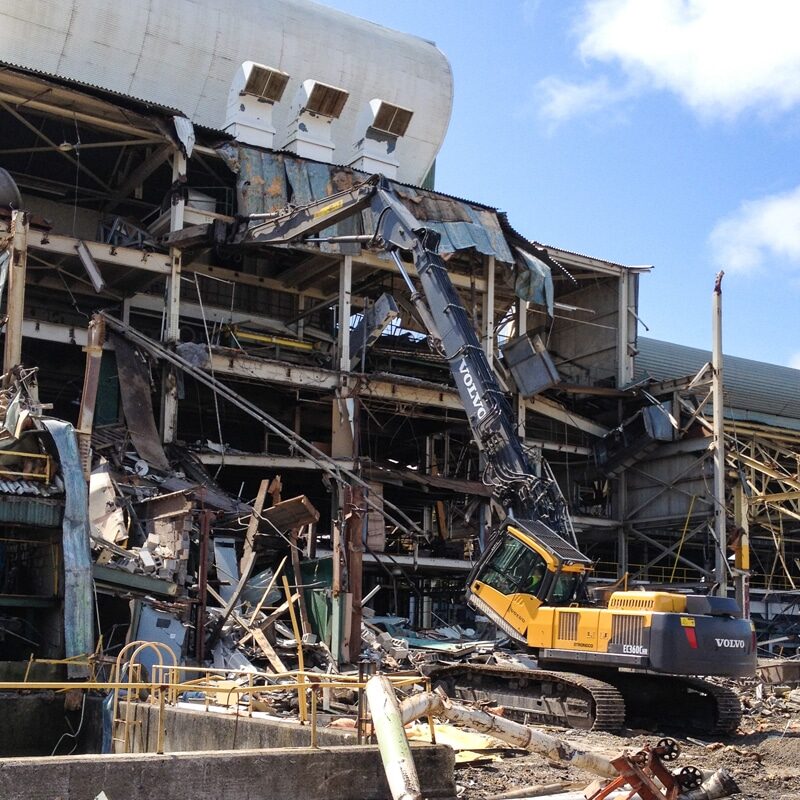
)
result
[(170, 683)]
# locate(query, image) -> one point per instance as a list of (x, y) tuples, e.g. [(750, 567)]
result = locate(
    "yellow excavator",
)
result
[(639, 657)]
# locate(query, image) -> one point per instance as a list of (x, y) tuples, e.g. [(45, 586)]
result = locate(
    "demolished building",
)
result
[(206, 380), (119, 197)]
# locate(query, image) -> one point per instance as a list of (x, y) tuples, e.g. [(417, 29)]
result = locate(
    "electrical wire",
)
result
[(72, 734)]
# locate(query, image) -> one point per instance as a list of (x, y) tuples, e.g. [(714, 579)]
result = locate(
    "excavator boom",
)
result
[(529, 580)]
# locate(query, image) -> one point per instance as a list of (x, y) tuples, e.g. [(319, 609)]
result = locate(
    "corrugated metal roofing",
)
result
[(581, 255), (268, 181), (750, 386), (39, 512)]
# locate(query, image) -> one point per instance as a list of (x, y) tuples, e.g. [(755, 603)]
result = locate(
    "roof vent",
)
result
[(254, 90), (316, 105), (390, 119), (379, 127)]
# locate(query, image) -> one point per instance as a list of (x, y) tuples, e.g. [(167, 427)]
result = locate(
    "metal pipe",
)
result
[(526, 738), (387, 722)]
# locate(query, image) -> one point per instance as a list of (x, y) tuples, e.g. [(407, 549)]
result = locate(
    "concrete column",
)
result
[(342, 446), (17, 268), (343, 406), (427, 512), (345, 309), (626, 332), (301, 323), (169, 383)]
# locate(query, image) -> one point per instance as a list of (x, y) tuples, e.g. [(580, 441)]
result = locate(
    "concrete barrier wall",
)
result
[(186, 729), (333, 773), (33, 724)]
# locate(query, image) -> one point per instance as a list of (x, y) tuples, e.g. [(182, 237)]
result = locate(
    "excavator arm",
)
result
[(396, 231)]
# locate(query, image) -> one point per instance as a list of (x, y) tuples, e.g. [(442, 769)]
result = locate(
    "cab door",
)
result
[(508, 583)]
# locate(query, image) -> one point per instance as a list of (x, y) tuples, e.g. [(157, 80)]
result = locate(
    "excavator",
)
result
[(638, 657)]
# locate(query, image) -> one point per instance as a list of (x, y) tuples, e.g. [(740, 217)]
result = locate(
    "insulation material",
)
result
[(107, 520), (469, 747)]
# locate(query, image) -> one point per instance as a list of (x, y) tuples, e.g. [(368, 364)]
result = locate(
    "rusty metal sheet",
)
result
[(269, 181), (261, 186), (137, 404)]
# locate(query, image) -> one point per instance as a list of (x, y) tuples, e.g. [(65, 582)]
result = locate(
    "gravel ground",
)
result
[(764, 762)]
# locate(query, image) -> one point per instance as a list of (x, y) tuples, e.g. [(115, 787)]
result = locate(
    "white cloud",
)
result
[(794, 361), (562, 100), (720, 57), (759, 231)]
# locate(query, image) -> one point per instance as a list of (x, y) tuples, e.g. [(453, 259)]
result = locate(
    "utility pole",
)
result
[(720, 531)]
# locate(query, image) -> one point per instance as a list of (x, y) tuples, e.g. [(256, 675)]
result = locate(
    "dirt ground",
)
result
[(763, 758)]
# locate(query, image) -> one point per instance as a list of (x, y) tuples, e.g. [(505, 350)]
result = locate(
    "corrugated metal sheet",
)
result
[(750, 386), (41, 512), (268, 182)]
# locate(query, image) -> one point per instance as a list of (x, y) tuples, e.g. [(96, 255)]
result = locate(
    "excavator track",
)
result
[(602, 701), (566, 699), (673, 701)]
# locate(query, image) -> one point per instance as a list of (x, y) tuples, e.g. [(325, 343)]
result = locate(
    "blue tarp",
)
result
[(78, 594)]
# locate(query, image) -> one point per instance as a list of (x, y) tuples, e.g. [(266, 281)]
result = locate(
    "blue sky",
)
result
[(664, 132)]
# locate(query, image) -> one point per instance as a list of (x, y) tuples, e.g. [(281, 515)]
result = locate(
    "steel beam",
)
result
[(264, 461), (127, 257)]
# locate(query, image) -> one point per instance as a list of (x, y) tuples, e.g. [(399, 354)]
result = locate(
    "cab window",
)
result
[(564, 589), (514, 568)]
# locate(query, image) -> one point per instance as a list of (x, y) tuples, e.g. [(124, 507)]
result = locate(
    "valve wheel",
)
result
[(690, 778), (667, 749), (640, 758)]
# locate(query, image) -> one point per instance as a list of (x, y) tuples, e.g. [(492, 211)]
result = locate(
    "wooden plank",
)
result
[(305, 624), (262, 626), (257, 634), (257, 609), (268, 650), (292, 513), (247, 562), (252, 525)]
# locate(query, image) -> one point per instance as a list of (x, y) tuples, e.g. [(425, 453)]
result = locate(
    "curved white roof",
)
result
[(184, 53)]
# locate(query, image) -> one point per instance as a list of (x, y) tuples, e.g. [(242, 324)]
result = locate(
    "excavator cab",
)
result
[(526, 566)]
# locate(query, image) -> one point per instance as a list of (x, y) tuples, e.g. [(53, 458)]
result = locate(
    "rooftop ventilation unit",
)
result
[(254, 91), (316, 105), (379, 127)]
